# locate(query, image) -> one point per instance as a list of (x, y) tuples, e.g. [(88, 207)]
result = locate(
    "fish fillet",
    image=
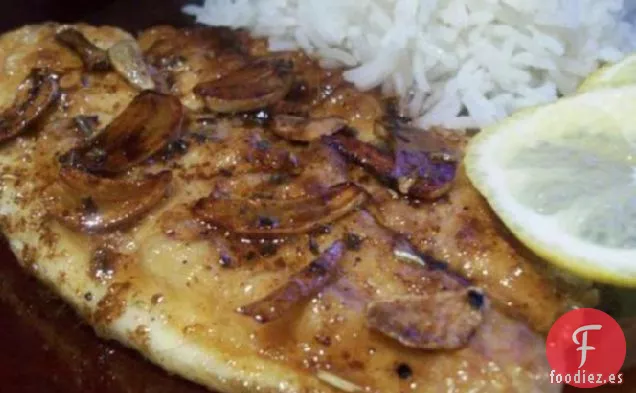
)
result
[(170, 286)]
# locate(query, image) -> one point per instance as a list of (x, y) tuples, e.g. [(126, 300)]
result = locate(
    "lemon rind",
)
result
[(605, 76), (486, 143)]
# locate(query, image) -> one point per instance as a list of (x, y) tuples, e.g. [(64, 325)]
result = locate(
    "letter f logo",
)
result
[(583, 344)]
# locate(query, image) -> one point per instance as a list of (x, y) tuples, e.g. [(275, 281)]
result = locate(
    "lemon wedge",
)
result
[(562, 177), (612, 75)]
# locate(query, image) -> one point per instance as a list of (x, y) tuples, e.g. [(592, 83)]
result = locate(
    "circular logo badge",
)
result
[(586, 349)]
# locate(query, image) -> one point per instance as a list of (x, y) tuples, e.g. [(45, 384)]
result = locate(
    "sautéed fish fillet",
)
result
[(233, 257)]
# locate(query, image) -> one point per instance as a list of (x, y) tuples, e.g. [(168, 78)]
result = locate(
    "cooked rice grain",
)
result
[(455, 63)]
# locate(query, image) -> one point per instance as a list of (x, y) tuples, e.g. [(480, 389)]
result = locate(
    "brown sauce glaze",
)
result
[(46, 348)]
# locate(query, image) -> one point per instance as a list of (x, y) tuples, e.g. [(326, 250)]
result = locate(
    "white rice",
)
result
[(455, 63)]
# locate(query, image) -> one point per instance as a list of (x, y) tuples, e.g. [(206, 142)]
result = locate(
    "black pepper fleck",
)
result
[(225, 172), (96, 156), (175, 149), (317, 268), (350, 132), (198, 137), (157, 298), (323, 229), (89, 206), (353, 241), (266, 222), (434, 263), (267, 249), (404, 371), (323, 339), (88, 297), (298, 91), (225, 260), (476, 298), (313, 246)]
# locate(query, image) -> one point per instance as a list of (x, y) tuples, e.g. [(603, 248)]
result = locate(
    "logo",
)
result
[(586, 349)]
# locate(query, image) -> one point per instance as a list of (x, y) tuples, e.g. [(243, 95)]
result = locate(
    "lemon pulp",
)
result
[(563, 179)]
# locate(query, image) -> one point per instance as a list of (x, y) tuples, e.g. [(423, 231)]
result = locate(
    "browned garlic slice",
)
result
[(94, 58), (310, 280), (127, 59), (419, 174), (34, 96), (439, 320), (149, 123), (255, 86), (269, 217), (89, 203)]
